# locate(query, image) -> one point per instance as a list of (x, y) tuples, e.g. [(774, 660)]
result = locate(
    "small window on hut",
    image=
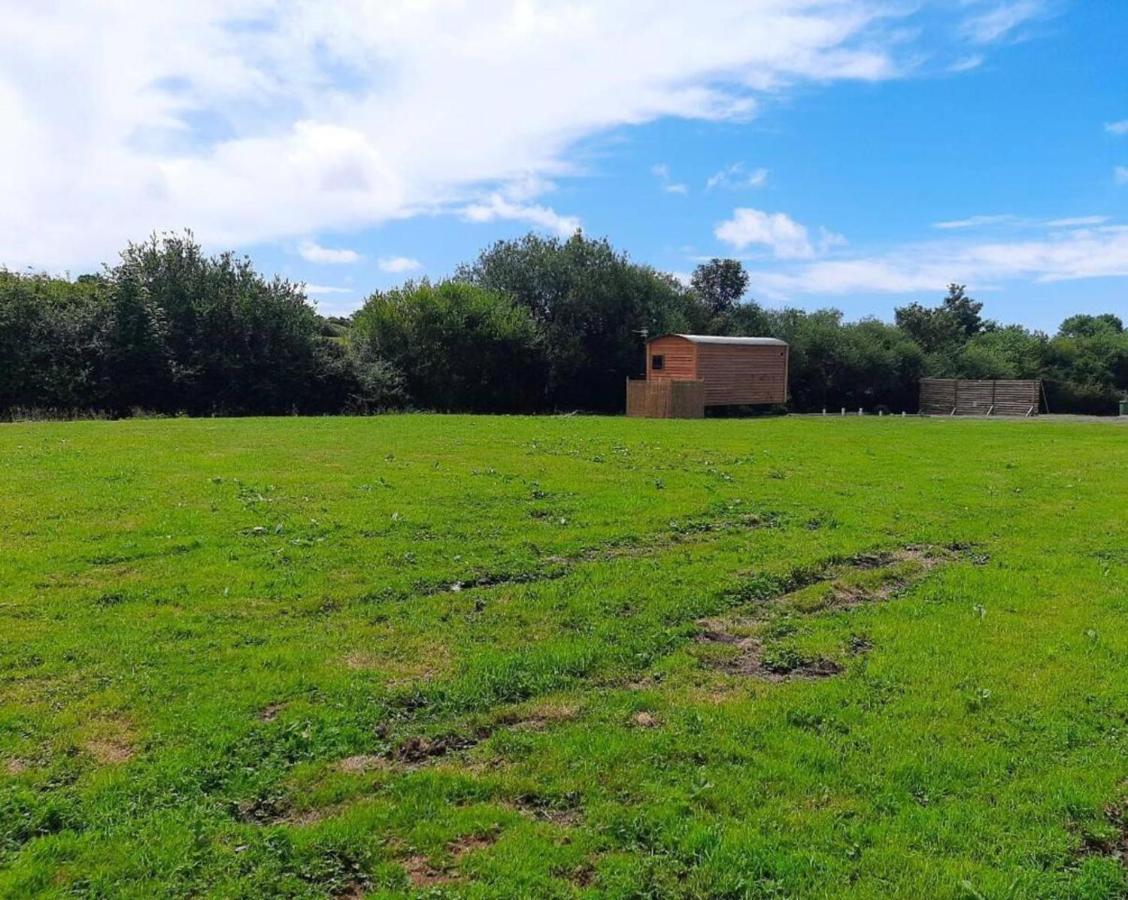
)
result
[(658, 362)]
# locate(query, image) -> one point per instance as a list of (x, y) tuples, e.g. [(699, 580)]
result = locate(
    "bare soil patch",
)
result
[(755, 661), (112, 743), (358, 765), (419, 749), (538, 718), (1115, 844), (270, 713), (873, 577), (422, 873)]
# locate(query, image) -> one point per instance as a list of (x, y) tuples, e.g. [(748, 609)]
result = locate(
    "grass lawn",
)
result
[(555, 657)]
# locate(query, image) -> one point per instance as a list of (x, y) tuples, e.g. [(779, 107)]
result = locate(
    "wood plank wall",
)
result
[(736, 374), (665, 399), (679, 358), (940, 396)]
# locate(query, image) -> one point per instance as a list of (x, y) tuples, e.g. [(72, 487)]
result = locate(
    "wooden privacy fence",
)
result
[(666, 399), (957, 397)]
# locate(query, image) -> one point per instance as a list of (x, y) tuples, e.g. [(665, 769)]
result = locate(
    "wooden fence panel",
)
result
[(666, 399), (950, 396)]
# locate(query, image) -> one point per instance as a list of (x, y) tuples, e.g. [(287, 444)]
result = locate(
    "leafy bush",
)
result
[(459, 347)]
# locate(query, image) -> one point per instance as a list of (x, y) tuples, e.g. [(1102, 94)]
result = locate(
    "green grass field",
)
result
[(556, 657)]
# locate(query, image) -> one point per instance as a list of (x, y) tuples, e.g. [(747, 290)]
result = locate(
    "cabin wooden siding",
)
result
[(732, 374), (736, 374), (679, 356)]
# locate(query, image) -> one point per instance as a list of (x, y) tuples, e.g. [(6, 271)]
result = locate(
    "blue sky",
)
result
[(853, 154)]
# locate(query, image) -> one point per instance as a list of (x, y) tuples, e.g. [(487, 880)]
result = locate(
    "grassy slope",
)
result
[(200, 619)]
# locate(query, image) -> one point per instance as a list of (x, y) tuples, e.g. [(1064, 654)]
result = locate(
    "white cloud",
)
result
[(662, 173), (322, 290), (1120, 174), (315, 253), (976, 222), (496, 207), (966, 63), (1118, 128), (737, 177), (785, 237), (1001, 20), (1054, 256), (398, 265), (260, 120), (1011, 221), (1076, 221)]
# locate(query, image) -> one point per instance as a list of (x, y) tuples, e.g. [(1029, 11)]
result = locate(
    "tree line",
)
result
[(533, 324)]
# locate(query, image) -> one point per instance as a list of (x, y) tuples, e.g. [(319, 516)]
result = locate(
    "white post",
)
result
[(844, 410), (859, 410)]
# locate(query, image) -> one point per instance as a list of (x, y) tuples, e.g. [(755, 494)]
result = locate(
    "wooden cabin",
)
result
[(728, 371)]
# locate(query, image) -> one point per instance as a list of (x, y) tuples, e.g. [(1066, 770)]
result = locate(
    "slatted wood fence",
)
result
[(959, 397), (666, 399)]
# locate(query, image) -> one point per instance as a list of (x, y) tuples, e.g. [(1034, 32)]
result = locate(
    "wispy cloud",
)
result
[(315, 253), (324, 290), (967, 63), (1053, 256), (1077, 221), (661, 171), (398, 265), (1001, 20), (975, 222), (1120, 174), (497, 207), (737, 177), (1009, 220), (1117, 128)]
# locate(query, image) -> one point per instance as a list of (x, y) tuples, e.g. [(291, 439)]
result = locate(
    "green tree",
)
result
[(1082, 325), (238, 343), (458, 346), (720, 283), (592, 305), (945, 328), (833, 364)]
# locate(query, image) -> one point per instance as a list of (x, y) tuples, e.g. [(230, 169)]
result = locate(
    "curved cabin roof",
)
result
[(721, 339)]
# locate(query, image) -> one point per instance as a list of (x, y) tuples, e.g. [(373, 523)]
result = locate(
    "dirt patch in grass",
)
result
[(872, 577), (358, 765), (111, 742), (1111, 841), (539, 717), (419, 749), (754, 660), (422, 873), (906, 566), (558, 566), (543, 810), (262, 810), (356, 891), (110, 751), (16, 766), (270, 713)]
